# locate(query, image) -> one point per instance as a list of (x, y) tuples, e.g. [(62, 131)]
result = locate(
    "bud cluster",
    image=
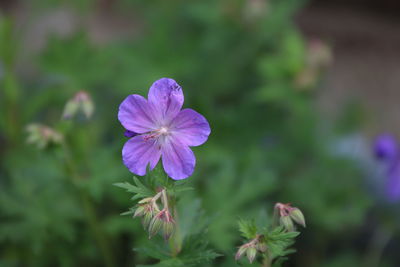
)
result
[(255, 9), (288, 215), (80, 102), (251, 248), (42, 136), (318, 57), (155, 219)]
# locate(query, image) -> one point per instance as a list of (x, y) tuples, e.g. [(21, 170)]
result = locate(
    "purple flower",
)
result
[(387, 149), (393, 181), (159, 128), (129, 134)]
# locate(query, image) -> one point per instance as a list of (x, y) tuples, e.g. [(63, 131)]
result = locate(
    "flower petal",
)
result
[(136, 115), (129, 134), (393, 182), (190, 127), (138, 153), (178, 159), (386, 147), (166, 96)]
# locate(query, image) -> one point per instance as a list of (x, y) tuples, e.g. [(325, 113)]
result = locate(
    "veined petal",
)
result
[(190, 127), (136, 115), (138, 153), (166, 97), (178, 159)]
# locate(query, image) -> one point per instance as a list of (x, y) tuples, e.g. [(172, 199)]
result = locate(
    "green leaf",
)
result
[(195, 250), (279, 241), (129, 212), (248, 228), (157, 177), (154, 250), (138, 189), (172, 262)]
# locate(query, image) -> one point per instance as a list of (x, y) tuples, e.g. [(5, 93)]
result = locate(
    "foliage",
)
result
[(194, 249), (247, 228), (238, 67)]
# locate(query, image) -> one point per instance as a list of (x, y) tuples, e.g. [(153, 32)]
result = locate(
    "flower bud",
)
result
[(288, 214), (242, 250), (251, 254), (145, 200), (168, 228), (297, 216), (155, 224), (318, 57), (287, 222), (70, 109), (319, 54), (262, 247), (42, 135), (251, 248), (88, 108), (139, 211), (80, 102), (147, 219), (148, 212), (255, 9)]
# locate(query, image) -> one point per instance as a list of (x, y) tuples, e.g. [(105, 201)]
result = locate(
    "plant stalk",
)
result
[(379, 241), (90, 212), (175, 241)]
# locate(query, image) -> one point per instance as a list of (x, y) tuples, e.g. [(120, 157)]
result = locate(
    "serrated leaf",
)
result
[(125, 185), (129, 212), (279, 241), (138, 189), (247, 228), (154, 250)]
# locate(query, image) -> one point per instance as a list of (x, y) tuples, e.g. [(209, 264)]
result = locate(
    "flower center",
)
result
[(162, 132)]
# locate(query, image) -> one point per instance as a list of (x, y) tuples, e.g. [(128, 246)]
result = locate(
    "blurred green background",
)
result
[(244, 65)]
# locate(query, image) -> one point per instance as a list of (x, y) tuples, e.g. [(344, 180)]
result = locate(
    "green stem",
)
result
[(266, 262), (377, 246), (89, 209), (9, 83), (175, 240)]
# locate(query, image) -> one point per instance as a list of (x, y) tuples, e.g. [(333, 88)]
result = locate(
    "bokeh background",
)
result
[(295, 91)]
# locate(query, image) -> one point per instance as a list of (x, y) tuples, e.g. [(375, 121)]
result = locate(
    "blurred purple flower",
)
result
[(387, 149), (159, 128), (393, 182)]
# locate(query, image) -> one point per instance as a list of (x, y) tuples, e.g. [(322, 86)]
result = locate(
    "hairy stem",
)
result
[(267, 259), (175, 241)]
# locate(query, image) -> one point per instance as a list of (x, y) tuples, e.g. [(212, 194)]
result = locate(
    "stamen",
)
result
[(156, 133), (150, 136), (163, 130)]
